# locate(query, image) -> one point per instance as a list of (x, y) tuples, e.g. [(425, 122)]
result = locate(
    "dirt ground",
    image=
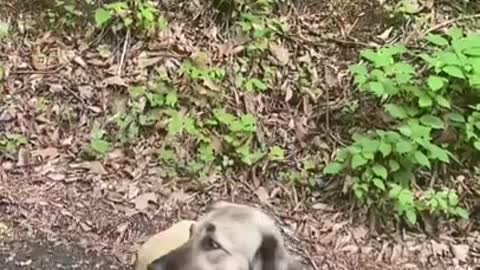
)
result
[(59, 211)]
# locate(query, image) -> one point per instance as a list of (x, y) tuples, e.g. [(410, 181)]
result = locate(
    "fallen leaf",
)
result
[(56, 176), (262, 194), (141, 202), (322, 206), (93, 166), (114, 80), (460, 252), (146, 62), (439, 249), (280, 53), (23, 157), (385, 34), (330, 78), (49, 152)]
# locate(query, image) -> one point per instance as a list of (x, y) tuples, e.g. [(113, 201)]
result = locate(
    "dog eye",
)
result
[(211, 244)]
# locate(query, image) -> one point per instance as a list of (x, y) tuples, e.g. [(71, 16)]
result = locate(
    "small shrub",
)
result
[(384, 163)]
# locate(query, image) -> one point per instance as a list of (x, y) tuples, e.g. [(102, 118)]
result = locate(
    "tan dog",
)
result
[(162, 243), (230, 237)]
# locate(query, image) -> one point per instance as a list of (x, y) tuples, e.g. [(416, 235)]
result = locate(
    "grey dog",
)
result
[(230, 237)]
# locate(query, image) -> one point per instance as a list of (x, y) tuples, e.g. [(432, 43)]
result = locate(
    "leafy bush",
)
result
[(426, 94)]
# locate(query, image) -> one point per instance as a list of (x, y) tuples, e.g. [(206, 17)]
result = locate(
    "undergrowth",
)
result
[(427, 93)]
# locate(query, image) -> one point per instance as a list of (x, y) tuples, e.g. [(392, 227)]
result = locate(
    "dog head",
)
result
[(229, 236)]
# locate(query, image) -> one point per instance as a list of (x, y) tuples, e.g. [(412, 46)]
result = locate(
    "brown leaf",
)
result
[(460, 252), (280, 53), (93, 166), (141, 202), (114, 80), (49, 152), (23, 157), (262, 194), (56, 176), (146, 62)]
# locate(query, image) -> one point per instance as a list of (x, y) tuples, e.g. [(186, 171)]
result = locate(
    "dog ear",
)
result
[(272, 255)]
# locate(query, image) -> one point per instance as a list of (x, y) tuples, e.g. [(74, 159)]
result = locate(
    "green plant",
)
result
[(98, 145), (384, 163), (10, 142), (144, 108), (199, 72), (134, 14), (239, 135)]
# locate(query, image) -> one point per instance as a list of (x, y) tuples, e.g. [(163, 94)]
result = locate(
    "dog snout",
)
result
[(158, 264)]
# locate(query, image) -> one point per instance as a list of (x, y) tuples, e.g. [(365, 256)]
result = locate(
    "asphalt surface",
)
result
[(44, 255)]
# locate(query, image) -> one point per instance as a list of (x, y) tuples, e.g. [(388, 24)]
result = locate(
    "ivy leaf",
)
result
[(436, 39), (422, 159), (358, 160), (454, 71), (380, 171), (455, 32), (171, 98), (333, 168), (435, 82), (432, 121), (456, 117)]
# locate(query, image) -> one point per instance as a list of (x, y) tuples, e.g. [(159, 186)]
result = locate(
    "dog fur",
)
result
[(230, 236), (162, 243)]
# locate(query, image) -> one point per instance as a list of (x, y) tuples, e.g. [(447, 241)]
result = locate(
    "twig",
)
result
[(122, 58), (445, 23)]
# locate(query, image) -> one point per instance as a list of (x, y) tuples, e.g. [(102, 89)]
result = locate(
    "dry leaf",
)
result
[(460, 252), (93, 166), (280, 53), (262, 194), (49, 152), (56, 176), (385, 34), (141, 202), (114, 80)]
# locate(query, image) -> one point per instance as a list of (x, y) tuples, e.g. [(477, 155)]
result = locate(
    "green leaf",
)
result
[(472, 51), (171, 98), (102, 16), (100, 146), (403, 147), (455, 32), (456, 117), (425, 101), (461, 212), (477, 145), (333, 168), (360, 69), (436, 39), (395, 191), (439, 153), (422, 159), (385, 148), (379, 183), (452, 199), (136, 91), (380, 171), (276, 153), (411, 216), (4, 29), (394, 165), (377, 88), (432, 121), (454, 71), (435, 82), (396, 111), (442, 102), (358, 160)]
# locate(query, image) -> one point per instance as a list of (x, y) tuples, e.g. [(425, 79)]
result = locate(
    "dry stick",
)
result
[(445, 23), (122, 58)]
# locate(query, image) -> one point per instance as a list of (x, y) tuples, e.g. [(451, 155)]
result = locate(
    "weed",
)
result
[(138, 15), (384, 162), (98, 146), (10, 142)]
